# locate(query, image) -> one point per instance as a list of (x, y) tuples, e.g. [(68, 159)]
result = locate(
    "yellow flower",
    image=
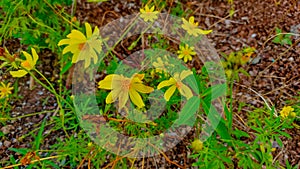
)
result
[(148, 14), (197, 145), (161, 64), (287, 111), (5, 90), (123, 88), (27, 64), (83, 47), (8, 58), (247, 53), (186, 52), (192, 27), (176, 83)]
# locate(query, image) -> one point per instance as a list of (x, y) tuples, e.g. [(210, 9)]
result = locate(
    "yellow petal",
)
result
[(169, 92), (96, 45), (146, 8), (205, 32), (87, 63), (75, 34), (27, 56), (142, 88), (75, 57), (185, 59), (186, 91), (71, 48), (94, 55), (63, 42), (185, 73), (111, 97), (88, 30), (191, 20), (136, 98), (106, 83), (185, 22), (152, 9), (70, 42), (180, 56), (19, 73), (165, 83), (123, 98), (139, 77), (35, 56), (96, 32)]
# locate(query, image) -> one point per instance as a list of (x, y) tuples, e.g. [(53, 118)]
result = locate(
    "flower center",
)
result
[(178, 85), (125, 84), (26, 64), (83, 46), (186, 52)]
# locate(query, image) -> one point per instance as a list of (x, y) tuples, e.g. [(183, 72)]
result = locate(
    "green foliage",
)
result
[(235, 60), (282, 39), (37, 23)]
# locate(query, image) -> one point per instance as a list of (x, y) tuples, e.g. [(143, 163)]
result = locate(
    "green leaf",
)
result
[(244, 72), (188, 112), (216, 120), (66, 68), (22, 151), (12, 160), (278, 30), (39, 137), (277, 39), (284, 134), (239, 134), (228, 116), (215, 91), (194, 82), (278, 140)]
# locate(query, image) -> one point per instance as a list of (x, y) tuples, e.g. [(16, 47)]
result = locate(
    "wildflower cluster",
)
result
[(83, 47), (237, 59), (26, 65), (287, 111), (5, 90)]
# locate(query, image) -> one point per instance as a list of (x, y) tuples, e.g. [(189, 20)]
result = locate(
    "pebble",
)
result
[(245, 18), (7, 143), (40, 92), (253, 35), (256, 60), (291, 59), (6, 129)]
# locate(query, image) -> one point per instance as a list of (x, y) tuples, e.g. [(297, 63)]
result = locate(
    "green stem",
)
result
[(28, 115), (52, 90), (58, 97)]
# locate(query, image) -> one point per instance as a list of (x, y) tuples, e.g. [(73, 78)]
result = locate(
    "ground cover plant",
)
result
[(143, 86)]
